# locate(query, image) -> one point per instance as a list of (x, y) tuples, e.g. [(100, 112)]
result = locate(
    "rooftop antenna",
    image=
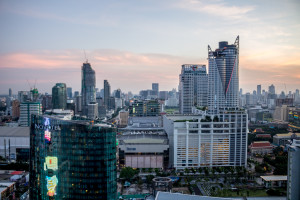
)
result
[(85, 56), (34, 84)]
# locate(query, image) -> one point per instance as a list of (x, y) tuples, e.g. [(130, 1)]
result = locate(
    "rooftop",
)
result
[(14, 131), (143, 138), (263, 136), (286, 135), (260, 144), (177, 196), (274, 178)]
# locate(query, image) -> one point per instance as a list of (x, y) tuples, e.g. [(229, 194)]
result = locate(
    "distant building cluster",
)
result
[(76, 141)]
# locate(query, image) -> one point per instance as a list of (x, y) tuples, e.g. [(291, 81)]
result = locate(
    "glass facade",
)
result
[(72, 160)]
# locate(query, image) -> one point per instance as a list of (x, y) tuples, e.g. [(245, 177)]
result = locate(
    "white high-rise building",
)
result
[(193, 87), (26, 110), (207, 141), (293, 192), (223, 78)]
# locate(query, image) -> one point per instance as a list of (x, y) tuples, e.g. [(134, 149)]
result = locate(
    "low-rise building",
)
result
[(14, 143), (7, 190), (261, 147), (283, 139), (143, 148), (274, 181)]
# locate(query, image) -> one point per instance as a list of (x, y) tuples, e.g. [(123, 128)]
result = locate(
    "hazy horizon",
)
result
[(137, 43)]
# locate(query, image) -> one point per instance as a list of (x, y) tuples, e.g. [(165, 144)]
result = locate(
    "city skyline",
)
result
[(147, 43)]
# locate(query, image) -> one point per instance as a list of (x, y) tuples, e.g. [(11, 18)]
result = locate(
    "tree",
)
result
[(187, 170), (127, 173), (200, 170)]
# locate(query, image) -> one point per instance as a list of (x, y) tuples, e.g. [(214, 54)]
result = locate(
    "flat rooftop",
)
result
[(274, 178), (14, 131)]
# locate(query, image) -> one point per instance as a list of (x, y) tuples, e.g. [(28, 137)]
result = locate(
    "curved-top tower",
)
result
[(223, 76), (88, 86)]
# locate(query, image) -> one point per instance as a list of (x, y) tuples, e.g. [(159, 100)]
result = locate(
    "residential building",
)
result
[(59, 96), (223, 76), (207, 140), (26, 110), (192, 87), (123, 118), (88, 87), (15, 108), (77, 161), (293, 192)]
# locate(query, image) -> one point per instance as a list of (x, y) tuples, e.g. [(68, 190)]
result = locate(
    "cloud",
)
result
[(123, 69), (220, 8)]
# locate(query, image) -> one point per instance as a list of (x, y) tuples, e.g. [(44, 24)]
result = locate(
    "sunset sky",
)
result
[(137, 42)]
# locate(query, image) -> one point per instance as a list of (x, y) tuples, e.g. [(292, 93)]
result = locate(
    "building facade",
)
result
[(144, 108), (72, 159), (223, 76), (106, 94), (143, 148), (88, 86), (293, 192), (26, 110), (59, 96), (193, 87), (207, 141)]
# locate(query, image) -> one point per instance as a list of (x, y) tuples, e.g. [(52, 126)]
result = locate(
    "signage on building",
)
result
[(50, 163), (44, 127), (51, 185)]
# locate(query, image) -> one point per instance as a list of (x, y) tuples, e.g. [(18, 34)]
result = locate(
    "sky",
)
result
[(135, 43)]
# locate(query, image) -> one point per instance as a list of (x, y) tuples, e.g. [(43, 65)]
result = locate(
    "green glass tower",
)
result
[(72, 159), (59, 96)]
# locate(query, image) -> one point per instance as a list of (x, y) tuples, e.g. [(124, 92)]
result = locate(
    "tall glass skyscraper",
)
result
[(88, 86), (72, 159), (59, 96), (106, 94), (192, 87), (223, 76)]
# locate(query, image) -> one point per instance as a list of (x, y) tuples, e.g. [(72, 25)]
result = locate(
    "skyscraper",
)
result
[(223, 76), (59, 96), (72, 159), (69, 92), (88, 86), (9, 92), (155, 88), (272, 89), (259, 90), (106, 94), (192, 87)]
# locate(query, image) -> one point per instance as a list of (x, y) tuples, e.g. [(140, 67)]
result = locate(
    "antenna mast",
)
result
[(85, 56)]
